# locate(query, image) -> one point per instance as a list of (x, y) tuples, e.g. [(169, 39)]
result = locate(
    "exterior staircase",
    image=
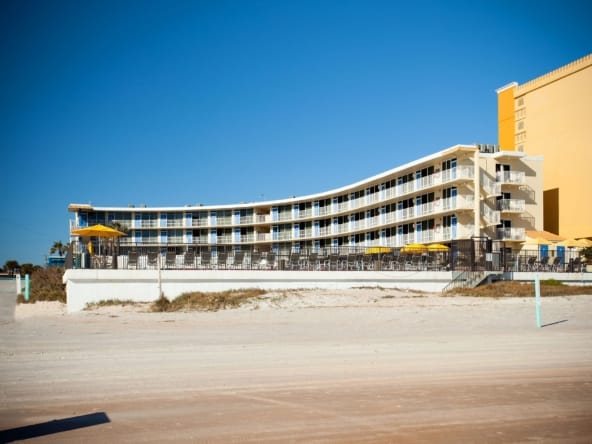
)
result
[(471, 279)]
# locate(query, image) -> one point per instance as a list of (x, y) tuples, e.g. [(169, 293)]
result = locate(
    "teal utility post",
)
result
[(537, 298), (27, 287)]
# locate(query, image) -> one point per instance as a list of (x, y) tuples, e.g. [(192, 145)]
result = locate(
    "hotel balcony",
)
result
[(490, 216), (511, 205), (510, 234), (511, 177), (491, 187)]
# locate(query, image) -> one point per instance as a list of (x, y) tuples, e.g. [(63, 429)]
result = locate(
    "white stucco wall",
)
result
[(88, 286)]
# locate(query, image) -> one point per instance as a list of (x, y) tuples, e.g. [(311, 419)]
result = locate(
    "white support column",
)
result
[(477, 195)]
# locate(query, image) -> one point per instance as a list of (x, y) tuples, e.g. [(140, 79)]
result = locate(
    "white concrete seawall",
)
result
[(88, 286)]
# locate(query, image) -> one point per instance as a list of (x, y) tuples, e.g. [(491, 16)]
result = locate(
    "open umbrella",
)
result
[(377, 250), (438, 248), (98, 231), (585, 242), (414, 249), (569, 243), (537, 241)]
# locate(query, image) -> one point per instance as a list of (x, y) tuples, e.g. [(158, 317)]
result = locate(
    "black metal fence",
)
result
[(477, 254)]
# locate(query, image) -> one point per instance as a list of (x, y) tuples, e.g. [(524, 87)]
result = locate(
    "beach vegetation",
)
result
[(46, 285), (207, 301), (549, 287), (110, 303)]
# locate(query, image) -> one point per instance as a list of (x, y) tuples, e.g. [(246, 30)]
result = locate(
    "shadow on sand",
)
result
[(554, 323), (55, 426)]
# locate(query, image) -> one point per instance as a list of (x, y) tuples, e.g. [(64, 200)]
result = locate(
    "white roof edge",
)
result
[(419, 161), (507, 153), (509, 85)]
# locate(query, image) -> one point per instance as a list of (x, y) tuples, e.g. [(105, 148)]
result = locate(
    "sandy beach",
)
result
[(360, 365)]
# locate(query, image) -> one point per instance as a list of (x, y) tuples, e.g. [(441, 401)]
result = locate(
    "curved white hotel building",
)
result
[(462, 192)]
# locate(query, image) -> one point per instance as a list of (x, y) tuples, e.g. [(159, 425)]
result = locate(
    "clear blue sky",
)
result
[(169, 103)]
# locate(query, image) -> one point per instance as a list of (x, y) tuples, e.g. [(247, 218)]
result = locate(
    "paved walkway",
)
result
[(7, 300)]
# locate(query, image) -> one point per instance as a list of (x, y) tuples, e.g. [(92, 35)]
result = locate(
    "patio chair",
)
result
[(576, 266), (352, 261), (205, 259), (255, 260), (333, 262), (152, 259), (221, 259), (312, 261), (270, 261), (189, 259), (171, 259), (400, 262), (294, 261), (239, 257), (132, 259), (531, 264), (556, 263)]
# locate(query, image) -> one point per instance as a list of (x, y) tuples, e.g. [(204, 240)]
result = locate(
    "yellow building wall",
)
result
[(506, 118), (555, 112)]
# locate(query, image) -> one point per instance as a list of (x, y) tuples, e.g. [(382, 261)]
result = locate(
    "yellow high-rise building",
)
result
[(552, 116)]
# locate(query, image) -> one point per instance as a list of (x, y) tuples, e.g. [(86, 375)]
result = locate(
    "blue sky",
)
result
[(167, 103)]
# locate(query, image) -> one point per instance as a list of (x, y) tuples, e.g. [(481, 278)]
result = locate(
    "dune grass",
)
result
[(46, 285), (109, 303), (213, 301), (502, 289)]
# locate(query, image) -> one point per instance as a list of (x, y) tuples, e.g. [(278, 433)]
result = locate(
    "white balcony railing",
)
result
[(491, 187), (513, 234), (490, 216), (511, 177), (513, 205)]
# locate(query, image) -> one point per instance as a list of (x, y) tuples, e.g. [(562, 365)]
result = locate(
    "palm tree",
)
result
[(116, 225), (59, 248)]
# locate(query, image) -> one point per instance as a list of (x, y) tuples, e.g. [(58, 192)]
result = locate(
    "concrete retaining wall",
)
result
[(88, 286)]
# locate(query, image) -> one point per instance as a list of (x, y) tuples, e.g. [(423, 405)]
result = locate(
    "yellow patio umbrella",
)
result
[(537, 241), (98, 231), (570, 243), (414, 249), (585, 242), (438, 248), (378, 250)]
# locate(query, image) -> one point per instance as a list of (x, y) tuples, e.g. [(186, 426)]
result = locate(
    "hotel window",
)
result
[(358, 194), (427, 224), (428, 171), (174, 219), (521, 137), (449, 164), (520, 101), (407, 178), (408, 228), (520, 125)]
